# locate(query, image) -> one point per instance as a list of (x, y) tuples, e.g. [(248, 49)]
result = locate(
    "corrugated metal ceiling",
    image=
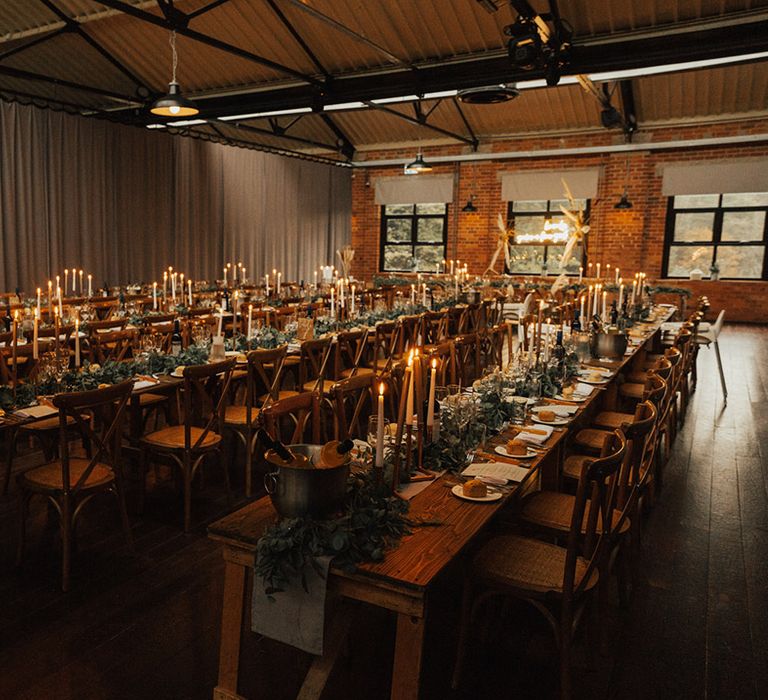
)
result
[(407, 32)]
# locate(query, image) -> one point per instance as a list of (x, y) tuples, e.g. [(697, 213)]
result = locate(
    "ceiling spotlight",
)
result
[(524, 44), (488, 94), (418, 166), (174, 104), (470, 207)]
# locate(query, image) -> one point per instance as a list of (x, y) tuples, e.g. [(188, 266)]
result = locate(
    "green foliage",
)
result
[(372, 521)]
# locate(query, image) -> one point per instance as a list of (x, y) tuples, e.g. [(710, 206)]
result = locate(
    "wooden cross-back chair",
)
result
[(445, 353), (351, 350), (26, 366), (264, 375), (70, 481), (110, 324), (386, 345), (434, 327), (495, 338), (205, 390), (475, 318), (315, 368), (558, 581), (410, 333), (163, 330), (295, 419), (354, 402), (467, 362), (113, 345), (105, 307)]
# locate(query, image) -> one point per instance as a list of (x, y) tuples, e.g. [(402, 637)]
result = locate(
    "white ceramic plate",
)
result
[(558, 420), (575, 398), (590, 381), (458, 491), (500, 449)]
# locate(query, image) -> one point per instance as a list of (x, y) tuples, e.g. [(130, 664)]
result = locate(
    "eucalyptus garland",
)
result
[(372, 521), (92, 375)]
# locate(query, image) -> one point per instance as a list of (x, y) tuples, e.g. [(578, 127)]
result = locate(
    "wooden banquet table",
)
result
[(401, 582)]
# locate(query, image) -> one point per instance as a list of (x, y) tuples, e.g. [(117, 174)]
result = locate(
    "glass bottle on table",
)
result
[(176, 340)]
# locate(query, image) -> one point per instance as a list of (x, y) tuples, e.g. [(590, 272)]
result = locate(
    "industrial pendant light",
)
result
[(470, 207), (624, 202), (418, 166), (174, 104)]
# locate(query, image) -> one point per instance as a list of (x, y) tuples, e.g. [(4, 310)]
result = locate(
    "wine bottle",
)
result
[(576, 323), (225, 300), (558, 352), (275, 445), (614, 314), (176, 341)]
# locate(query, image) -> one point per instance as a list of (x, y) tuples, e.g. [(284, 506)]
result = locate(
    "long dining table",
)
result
[(401, 583)]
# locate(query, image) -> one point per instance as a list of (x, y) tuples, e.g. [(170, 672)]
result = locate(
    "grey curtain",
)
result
[(123, 204)]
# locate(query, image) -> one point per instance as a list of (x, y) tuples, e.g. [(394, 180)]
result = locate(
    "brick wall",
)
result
[(632, 239)]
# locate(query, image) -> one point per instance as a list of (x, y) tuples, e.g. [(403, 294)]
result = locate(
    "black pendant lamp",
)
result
[(624, 202), (418, 166), (470, 207), (174, 104)]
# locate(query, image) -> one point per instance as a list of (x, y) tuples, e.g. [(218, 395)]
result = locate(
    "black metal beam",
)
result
[(71, 24), (468, 126), (27, 75), (34, 42), (207, 40), (205, 8), (421, 122), (298, 38), (347, 147), (625, 54), (280, 134)]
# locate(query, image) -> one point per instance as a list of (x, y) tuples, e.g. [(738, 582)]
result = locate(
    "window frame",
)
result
[(414, 242), (717, 231), (547, 215)]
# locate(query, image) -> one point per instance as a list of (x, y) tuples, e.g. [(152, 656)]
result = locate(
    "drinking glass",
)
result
[(478, 444), (373, 427)]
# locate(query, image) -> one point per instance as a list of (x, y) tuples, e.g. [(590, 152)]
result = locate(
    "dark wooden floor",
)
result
[(146, 626)]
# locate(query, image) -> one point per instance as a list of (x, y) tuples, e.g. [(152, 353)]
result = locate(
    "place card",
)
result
[(497, 470)]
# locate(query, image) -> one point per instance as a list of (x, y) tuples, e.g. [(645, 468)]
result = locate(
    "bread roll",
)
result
[(475, 488), (547, 415), (517, 448)]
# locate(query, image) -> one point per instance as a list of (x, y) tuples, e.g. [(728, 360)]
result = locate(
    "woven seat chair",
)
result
[(70, 481), (114, 346), (295, 419), (264, 374), (353, 399), (205, 392), (653, 390), (557, 581), (351, 354)]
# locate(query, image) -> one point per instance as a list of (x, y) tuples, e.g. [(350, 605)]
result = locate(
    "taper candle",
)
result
[(379, 463), (77, 342)]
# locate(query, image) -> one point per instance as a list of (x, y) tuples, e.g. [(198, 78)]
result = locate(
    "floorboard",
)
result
[(146, 626)]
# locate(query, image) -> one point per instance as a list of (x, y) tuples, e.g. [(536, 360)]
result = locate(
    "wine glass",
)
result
[(373, 434)]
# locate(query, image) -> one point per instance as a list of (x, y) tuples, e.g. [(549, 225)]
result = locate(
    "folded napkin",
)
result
[(558, 410), (537, 435), (582, 389), (143, 384), (37, 411)]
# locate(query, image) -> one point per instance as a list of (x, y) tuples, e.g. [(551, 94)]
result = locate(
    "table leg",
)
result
[(409, 647), (231, 629)]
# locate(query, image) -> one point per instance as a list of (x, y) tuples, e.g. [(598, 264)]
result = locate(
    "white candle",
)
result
[(582, 309), (413, 294), (431, 404), (342, 299), (81, 283), (581, 273), (597, 275), (225, 276), (409, 380), (165, 284), (333, 303), (279, 278), (242, 274), (266, 284), (90, 285), (456, 286), (39, 291), (77, 342), (424, 294), (66, 278), (380, 429), (35, 352), (221, 321), (154, 296), (250, 319), (616, 275), (546, 342), (451, 266), (605, 298), (58, 286), (352, 301), (621, 296), (634, 289), (315, 279)]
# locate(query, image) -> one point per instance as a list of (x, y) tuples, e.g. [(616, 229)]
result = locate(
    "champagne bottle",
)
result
[(176, 341), (275, 445), (333, 453)]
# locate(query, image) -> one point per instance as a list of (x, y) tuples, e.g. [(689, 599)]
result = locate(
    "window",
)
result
[(725, 230), (529, 216), (413, 237)]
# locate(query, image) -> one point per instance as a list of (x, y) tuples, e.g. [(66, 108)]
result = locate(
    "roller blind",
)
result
[(414, 189), (716, 177), (547, 184)]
